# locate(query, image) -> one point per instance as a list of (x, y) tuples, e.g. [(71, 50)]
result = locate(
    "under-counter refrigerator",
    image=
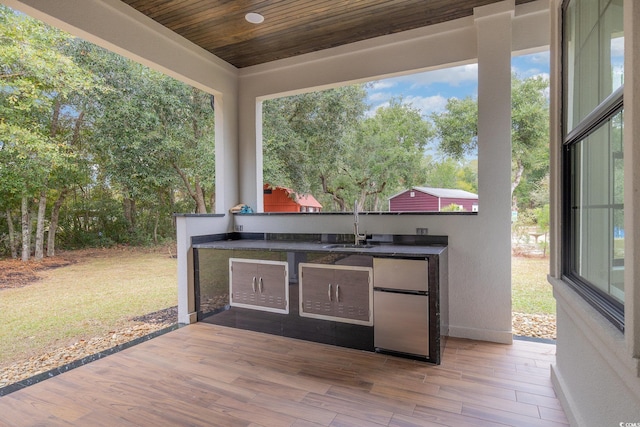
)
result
[(401, 306)]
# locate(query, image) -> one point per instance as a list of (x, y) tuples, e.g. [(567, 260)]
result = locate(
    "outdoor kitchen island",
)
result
[(387, 294)]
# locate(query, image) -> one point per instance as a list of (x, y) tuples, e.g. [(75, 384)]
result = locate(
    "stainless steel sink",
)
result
[(347, 246)]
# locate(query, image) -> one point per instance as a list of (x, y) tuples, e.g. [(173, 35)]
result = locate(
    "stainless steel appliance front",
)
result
[(401, 322), (401, 306)]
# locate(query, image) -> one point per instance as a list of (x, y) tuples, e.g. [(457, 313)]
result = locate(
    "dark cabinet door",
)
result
[(316, 296), (336, 293), (352, 294), (244, 280), (258, 284), (272, 287)]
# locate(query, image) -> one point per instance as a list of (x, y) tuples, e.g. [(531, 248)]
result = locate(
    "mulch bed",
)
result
[(17, 274)]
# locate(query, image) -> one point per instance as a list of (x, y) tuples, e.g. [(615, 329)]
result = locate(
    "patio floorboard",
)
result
[(209, 375)]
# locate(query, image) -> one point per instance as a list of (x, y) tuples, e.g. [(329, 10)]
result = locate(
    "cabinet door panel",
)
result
[(337, 293), (317, 292), (353, 294), (270, 289), (244, 283), (259, 284)]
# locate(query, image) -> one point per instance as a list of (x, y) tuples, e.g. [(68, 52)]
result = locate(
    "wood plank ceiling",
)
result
[(294, 27)]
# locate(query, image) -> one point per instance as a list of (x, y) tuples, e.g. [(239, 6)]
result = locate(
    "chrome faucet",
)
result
[(359, 238)]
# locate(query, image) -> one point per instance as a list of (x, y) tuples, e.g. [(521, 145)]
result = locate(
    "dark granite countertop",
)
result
[(384, 249)]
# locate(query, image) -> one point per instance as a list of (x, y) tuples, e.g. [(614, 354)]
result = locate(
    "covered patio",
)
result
[(203, 374), (210, 375)]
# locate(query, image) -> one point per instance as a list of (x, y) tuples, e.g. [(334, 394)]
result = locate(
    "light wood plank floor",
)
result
[(208, 375)]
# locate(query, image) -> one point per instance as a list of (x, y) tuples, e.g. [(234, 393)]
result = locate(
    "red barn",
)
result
[(281, 199), (426, 199)]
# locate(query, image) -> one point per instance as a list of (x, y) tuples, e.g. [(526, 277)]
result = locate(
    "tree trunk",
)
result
[(212, 202), (376, 202), (129, 208), (340, 202), (201, 205), (26, 232), (155, 228), (76, 129), (53, 225), (42, 207), (172, 204), (12, 236), (196, 194), (516, 180)]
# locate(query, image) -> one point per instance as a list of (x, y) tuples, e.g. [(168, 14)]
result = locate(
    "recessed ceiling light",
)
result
[(254, 18)]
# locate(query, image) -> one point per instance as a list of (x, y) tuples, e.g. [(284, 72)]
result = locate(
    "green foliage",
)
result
[(542, 219), (113, 145), (457, 127), (457, 131), (313, 126), (388, 155), (451, 173), (452, 208), (352, 157), (36, 76)]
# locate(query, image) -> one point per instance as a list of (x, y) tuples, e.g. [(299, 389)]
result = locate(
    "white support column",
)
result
[(494, 35), (555, 140)]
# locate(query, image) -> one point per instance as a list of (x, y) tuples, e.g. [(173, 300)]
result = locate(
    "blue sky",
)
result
[(429, 91)]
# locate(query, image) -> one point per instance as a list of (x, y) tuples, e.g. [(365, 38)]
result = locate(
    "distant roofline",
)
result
[(306, 200), (447, 193)]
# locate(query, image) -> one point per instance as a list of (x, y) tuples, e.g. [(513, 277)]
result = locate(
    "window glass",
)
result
[(597, 209), (593, 232), (593, 56)]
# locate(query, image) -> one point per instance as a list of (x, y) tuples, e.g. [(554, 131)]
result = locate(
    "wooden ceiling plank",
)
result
[(294, 27), (291, 46), (238, 28)]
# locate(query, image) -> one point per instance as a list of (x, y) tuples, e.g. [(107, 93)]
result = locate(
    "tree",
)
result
[(83, 129), (385, 154), (457, 129), (154, 138), (353, 157), (451, 173), (310, 126), (37, 78)]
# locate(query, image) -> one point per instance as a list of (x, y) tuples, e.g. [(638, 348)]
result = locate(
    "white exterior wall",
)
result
[(597, 368)]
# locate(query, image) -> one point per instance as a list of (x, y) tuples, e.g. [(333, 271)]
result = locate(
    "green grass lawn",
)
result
[(83, 300), (531, 292)]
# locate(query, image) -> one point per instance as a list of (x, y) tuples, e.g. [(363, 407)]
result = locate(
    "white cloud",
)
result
[(428, 104), (379, 96), (382, 84), (453, 76), (425, 104), (533, 65), (540, 58), (373, 109), (531, 72)]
